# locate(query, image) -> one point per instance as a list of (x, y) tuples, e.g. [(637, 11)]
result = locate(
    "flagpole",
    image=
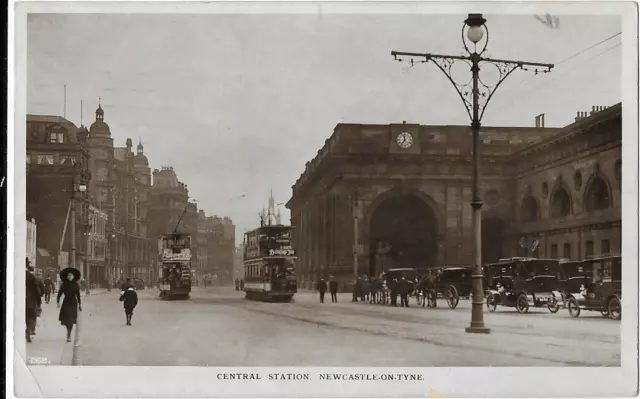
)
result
[(64, 114)]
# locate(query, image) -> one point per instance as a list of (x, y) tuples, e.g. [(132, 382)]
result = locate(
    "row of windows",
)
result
[(605, 249), (51, 159), (596, 197)]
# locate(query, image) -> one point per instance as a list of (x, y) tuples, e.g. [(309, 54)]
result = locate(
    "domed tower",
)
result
[(141, 164), (100, 146)]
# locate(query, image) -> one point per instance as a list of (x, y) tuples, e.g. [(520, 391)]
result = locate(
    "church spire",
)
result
[(140, 147)]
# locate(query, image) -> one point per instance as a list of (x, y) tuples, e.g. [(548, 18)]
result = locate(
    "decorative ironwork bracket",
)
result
[(486, 90)]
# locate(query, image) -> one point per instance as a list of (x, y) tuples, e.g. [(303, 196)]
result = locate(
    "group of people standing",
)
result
[(332, 286), (376, 289)]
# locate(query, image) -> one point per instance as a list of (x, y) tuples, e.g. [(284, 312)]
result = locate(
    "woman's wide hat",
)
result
[(74, 271)]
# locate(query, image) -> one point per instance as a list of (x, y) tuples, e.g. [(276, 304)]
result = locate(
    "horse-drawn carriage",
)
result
[(449, 282)]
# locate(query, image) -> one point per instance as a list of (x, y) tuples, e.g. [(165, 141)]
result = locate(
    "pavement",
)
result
[(49, 346), (218, 327)]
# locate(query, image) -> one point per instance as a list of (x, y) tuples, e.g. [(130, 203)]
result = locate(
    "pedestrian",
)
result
[(333, 288), (322, 288), (33, 300), (130, 300), (404, 292), (393, 287), (48, 287), (71, 303)]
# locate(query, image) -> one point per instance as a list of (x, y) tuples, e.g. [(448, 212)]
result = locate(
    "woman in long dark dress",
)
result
[(71, 303)]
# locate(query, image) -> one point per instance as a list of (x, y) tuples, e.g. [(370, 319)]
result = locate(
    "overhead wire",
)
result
[(563, 61), (556, 77)]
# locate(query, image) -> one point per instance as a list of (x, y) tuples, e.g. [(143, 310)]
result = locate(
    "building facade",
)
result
[(57, 158), (120, 188), (383, 196)]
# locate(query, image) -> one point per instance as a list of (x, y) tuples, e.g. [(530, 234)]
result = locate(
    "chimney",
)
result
[(540, 121), (597, 108), (581, 115)]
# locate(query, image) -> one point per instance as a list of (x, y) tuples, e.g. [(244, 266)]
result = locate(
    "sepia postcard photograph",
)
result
[(323, 199)]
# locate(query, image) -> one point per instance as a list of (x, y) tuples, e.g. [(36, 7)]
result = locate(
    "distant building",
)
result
[(238, 262), (398, 195), (170, 209)]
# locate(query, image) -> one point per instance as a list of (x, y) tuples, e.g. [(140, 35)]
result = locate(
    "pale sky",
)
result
[(239, 103)]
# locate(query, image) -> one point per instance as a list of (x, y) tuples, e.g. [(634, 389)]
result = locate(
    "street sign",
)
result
[(358, 249)]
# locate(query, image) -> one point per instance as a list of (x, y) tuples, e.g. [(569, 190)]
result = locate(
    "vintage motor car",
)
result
[(595, 284), (523, 283)]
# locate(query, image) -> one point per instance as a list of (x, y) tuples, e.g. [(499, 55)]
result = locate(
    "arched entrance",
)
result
[(493, 232), (403, 233)]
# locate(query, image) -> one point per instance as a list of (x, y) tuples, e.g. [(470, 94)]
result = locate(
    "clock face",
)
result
[(404, 140)]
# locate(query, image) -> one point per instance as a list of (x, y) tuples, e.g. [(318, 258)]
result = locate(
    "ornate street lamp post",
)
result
[(475, 98)]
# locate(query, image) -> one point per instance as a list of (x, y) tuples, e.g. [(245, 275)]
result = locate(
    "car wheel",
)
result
[(491, 303), (452, 297), (615, 309), (574, 309), (522, 304)]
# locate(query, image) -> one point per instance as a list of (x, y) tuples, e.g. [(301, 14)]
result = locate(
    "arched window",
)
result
[(597, 195), (529, 209), (560, 203)]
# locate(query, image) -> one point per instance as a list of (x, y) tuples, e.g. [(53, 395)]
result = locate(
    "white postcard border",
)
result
[(37, 381)]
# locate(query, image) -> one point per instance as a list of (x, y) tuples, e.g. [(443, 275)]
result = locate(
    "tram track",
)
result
[(386, 329)]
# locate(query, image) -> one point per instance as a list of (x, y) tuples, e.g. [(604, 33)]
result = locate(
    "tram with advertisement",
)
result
[(174, 266), (269, 264)]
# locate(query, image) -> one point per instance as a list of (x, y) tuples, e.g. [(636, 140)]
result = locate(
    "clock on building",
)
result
[(404, 140)]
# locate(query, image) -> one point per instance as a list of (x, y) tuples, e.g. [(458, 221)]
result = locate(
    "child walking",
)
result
[(130, 299)]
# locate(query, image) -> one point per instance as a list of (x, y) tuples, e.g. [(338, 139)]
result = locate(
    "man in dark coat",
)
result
[(393, 287), (48, 288), (322, 288), (33, 301), (333, 288), (405, 287), (130, 300)]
